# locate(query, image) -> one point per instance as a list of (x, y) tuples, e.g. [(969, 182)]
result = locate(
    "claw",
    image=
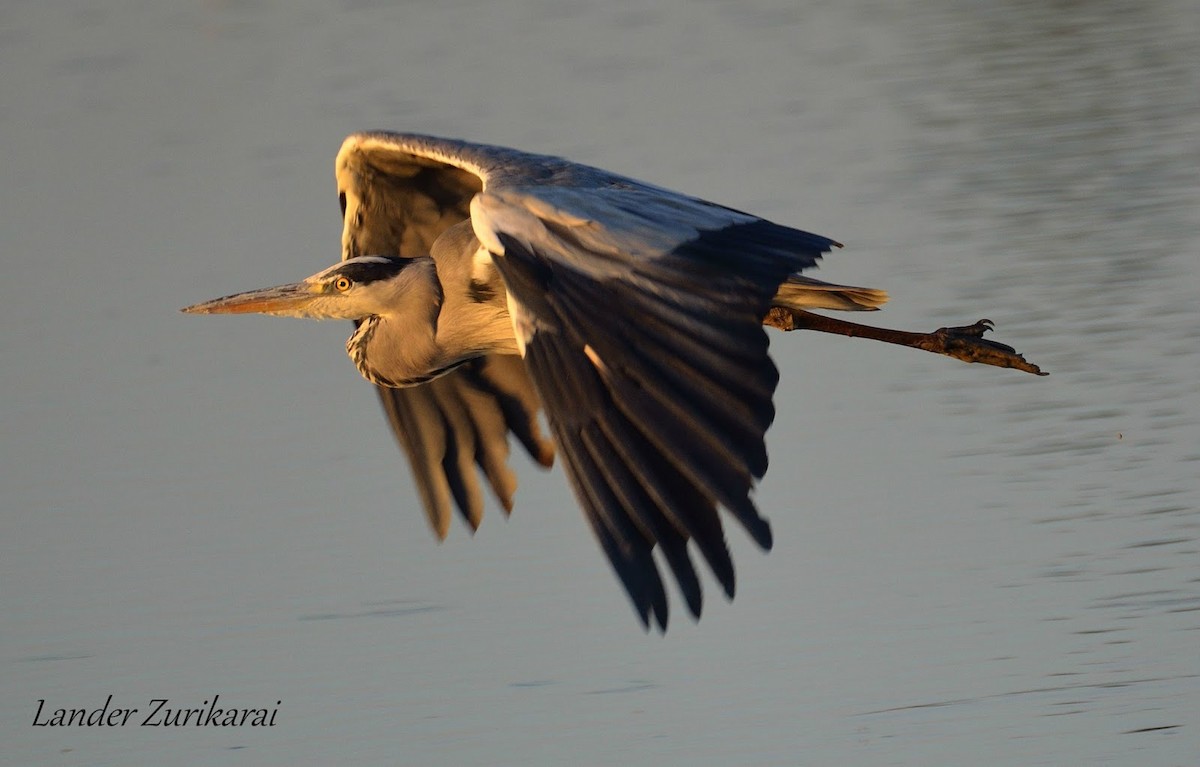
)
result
[(969, 345), (975, 331)]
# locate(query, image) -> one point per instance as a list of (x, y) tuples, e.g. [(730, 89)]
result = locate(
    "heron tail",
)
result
[(803, 293)]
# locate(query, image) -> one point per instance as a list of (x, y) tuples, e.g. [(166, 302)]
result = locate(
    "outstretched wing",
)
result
[(639, 313), (396, 204)]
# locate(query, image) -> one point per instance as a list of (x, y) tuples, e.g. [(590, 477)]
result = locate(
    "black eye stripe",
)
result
[(364, 272)]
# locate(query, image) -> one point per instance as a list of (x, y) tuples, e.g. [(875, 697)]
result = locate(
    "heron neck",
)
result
[(398, 348), (474, 322), (433, 327)]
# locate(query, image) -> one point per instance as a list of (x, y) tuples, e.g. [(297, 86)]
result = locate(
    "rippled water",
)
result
[(972, 566)]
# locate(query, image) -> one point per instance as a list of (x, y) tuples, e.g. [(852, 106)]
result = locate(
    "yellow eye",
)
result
[(342, 284)]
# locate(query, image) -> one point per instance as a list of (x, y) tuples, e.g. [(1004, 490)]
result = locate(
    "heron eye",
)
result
[(342, 284)]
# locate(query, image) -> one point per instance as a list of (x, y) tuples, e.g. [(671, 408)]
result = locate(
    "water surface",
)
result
[(972, 565)]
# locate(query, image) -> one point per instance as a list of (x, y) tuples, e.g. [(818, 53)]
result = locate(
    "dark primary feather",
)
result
[(669, 423)]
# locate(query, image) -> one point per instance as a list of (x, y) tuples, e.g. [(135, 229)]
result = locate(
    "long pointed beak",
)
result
[(288, 300)]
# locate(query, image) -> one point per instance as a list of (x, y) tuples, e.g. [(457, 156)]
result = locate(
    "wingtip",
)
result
[(439, 521), (767, 540), (506, 505), (729, 586), (655, 617)]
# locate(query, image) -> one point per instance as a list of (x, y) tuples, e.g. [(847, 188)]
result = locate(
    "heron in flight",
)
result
[(488, 284)]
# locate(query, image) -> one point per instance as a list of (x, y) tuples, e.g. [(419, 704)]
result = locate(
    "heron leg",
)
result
[(964, 343)]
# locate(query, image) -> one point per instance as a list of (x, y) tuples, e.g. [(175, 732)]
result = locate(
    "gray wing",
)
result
[(641, 316), (462, 420)]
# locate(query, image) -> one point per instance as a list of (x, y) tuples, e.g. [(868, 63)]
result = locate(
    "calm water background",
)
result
[(973, 566)]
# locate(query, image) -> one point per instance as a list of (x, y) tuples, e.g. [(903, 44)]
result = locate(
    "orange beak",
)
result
[(285, 300)]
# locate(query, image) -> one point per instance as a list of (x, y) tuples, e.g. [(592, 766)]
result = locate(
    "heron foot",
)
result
[(968, 344)]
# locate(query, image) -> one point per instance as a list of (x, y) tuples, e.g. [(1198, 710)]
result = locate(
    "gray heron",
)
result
[(488, 284)]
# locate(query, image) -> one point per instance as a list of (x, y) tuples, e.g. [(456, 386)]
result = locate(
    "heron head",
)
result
[(351, 290)]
